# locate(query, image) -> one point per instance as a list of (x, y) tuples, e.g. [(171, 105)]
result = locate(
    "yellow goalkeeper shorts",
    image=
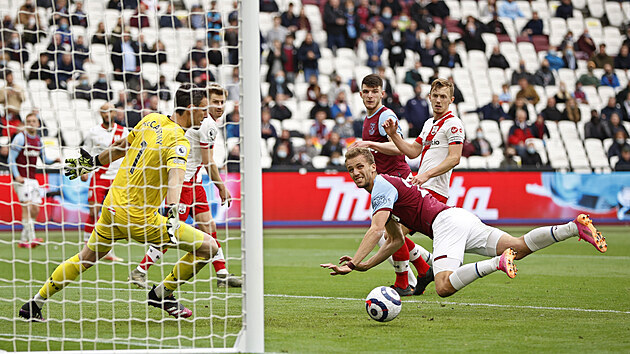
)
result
[(115, 224)]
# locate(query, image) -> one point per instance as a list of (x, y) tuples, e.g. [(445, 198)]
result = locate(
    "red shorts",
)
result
[(98, 190), (437, 196), (193, 196)]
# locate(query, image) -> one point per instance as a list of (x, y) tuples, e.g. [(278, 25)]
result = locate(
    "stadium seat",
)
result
[(508, 49), (596, 8), (477, 162), (595, 152), (492, 133), (576, 25), (320, 161), (613, 40), (494, 160), (557, 154), (594, 26), (463, 163)]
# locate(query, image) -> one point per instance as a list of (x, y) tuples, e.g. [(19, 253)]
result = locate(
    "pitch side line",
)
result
[(108, 341)]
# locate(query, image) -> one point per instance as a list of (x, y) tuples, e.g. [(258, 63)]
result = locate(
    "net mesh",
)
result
[(68, 61)]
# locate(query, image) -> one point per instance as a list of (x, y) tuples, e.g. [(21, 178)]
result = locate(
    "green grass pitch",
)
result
[(566, 298)]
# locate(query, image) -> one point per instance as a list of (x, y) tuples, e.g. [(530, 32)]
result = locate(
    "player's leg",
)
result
[(418, 256), (25, 241)]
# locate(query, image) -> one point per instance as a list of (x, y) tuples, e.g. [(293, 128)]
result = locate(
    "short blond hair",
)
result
[(439, 83), (360, 151), (217, 89)]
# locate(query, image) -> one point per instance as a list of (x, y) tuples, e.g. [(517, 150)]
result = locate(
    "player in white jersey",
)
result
[(98, 139), (193, 196)]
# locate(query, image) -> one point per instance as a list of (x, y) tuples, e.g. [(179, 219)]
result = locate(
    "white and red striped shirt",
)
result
[(436, 136), (202, 138), (99, 139)]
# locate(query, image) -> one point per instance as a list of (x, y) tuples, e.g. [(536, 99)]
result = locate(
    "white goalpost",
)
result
[(101, 311)]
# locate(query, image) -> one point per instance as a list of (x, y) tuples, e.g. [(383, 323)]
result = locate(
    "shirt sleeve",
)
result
[(176, 153), (16, 146), (384, 116), (207, 134), (455, 132), (384, 195)]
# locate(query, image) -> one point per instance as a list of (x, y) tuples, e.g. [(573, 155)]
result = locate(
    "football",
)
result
[(383, 304)]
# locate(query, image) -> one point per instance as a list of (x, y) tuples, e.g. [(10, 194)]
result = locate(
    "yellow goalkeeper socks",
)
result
[(64, 274), (185, 269)]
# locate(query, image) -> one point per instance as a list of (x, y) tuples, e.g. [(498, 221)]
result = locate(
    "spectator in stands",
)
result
[(565, 9), (531, 158), (321, 105), (472, 36), (417, 112), (279, 86), (487, 8), (15, 48), (615, 124), (509, 159), (611, 107), (519, 133), (551, 112), (100, 37), (267, 129), (394, 40), (625, 107), (129, 50), (233, 123), (519, 104), (318, 129), (268, 6), (81, 53), (624, 159), (505, 96), (335, 21), (533, 27), (43, 69), (26, 11), (569, 58), (586, 45), (214, 23), (539, 128), (566, 40), (521, 73), (579, 95), (65, 70), (589, 78), (492, 110), (196, 17), (101, 90), (12, 96), (158, 53), (458, 97), (288, 19), (305, 153), (481, 146), (562, 95), (527, 92), (553, 60), (601, 58), (233, 160), (413, 76), (335, 161), (544, 76), (510, 10), (619, 144), (276, 58), (308, 55), (394, 6), (215, 56), (495, 25), (571, 111), (609, 78), (79, 17), (412, 36), (279, 111), (124, 4), (140, 19), (198, 51), (82, 90), (596, 128), (374, 47), (313, 90), (341, 106), (387, 85), (277, 32), (231, 41), (187, 72), (497, 60), (622, 61), (343, 126), (422, 17), (451, 58), (623, 94), (303, 22), (282, 155), (428, 53), (438, 8), (332, 145), (352, 25), (168, 19), (290, 53), (34, 30), (60, 11), (128, 116)]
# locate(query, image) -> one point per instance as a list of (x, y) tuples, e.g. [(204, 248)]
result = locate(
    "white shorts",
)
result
[(28, 191), (457, 231)]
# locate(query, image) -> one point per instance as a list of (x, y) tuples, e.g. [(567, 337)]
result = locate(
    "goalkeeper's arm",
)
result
[(115, 151)]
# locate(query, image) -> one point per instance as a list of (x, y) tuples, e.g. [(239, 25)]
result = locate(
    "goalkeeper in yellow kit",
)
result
[(155, 155)]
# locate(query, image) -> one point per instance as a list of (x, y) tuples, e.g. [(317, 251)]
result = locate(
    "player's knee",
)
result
[(443, 286)]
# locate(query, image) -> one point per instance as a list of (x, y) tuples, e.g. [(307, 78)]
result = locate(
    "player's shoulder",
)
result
[(19, 138), (454, 121), (388, 113)]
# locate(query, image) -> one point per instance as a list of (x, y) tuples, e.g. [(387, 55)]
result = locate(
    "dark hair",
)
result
[(186, 95), (372, 80)]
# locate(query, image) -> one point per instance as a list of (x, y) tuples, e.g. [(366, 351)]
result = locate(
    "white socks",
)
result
[(548, 235), (154, 254), (419, 251), (401, 266), (162, 292), (219, 256), (468, 273), (39, 300), (28, 230)]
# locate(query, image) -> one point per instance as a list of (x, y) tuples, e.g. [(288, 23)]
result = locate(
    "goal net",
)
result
[(61, 63)]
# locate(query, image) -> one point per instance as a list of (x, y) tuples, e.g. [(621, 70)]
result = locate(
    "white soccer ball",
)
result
[(383, 304)]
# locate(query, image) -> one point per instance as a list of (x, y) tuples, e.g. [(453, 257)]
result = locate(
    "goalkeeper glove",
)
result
[(82, 165), (172, 221)]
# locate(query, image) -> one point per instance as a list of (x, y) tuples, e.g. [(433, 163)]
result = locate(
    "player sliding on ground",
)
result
[(193, 197), (153, 169), (454, 231)]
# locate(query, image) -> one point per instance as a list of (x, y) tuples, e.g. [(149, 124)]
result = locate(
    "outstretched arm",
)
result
[(387, 148), (115, 151), (395, 239), (411, 150), (451, 160)]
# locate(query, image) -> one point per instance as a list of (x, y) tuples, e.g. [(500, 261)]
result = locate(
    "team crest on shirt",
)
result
[(434, 130), (379, 201), (181, 150), (372, 128), (212, 133)]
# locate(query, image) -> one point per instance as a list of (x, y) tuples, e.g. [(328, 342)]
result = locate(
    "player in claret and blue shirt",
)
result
[(454, 231), (26, 147)]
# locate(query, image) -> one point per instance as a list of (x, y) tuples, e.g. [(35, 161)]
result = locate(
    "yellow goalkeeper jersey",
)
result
[(156, 145)]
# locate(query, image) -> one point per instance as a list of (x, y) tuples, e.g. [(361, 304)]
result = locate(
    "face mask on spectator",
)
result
[(340, 120), (280, 79), (531, 150), (387, 15), (620, 141), (31, 21), (101, 80), (64, 26), (282, 154), (479, 135), (84, 82), (335, 161)]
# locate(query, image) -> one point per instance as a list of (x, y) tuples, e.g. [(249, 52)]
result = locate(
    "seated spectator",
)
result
[(162, 90), (12, 96), (611, 107), (65, 70), (140, 19), (313, 91), (544, 76), (519, 133), (394, 40), (531, 158), (283, 149), (374, 47), (569, 58), (290, 52), (101, 90), (521, 73), (412, 76), (622, 61), (579, 95), (562, 95), (130, 51), (533, 27), (266, 128), (15, 48), (82, 90), (215, 56), (333, 144), (615, 125), (232, 126), (168, 19), (268, 6), (303, 21), (321, 105), (279, 111), (341, 106), (601, 58), (438, 8), (519, 104), (624, 159), (539, 128), (308, 55), (319, 129), (497, 60), (505, 96), (566, 41), (589, 78), (451, 59), (276, 58), (554, 61), (571, 111), (81, 53), (619, 143), (495, 26), (335, 24), (596, 128), (277, 32), (492, 110), (197, 18), (417, 112), (343, 126), (412, 36), (43, 70), (335, 161), (551, 112), (565, 9), (472, 36), (428, 53), (304, 154), (79, 17), (585, 45), (609, 78), (100, 37), (279, 86), (509, 159), (625, 108), (481, 146), (527, 92), (233, 160), (510, 10), (289, 20)]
